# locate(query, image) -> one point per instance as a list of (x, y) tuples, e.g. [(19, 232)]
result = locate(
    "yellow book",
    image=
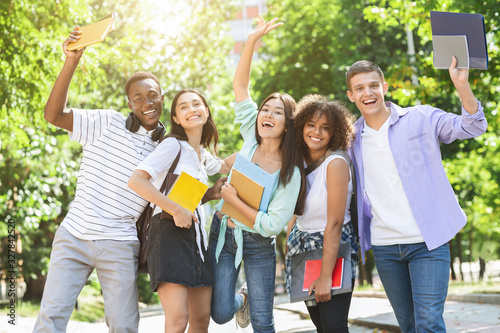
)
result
[(187, 191), (94, 33), (249, 191)]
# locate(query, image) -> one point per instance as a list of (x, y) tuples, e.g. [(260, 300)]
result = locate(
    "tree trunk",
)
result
[(452, 259), (459, 248), (362, 273), (471, 238), (281, 259), (370, 264), (365, 271), (34, 288)]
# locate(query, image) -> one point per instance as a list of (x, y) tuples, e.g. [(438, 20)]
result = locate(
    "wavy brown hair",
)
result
[(209, 129), (340, 121)]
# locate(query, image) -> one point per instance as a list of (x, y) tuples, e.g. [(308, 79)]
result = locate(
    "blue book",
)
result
[(258, 175), (464, 24)]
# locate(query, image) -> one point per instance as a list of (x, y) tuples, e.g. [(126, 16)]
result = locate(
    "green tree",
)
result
[(36, 176)]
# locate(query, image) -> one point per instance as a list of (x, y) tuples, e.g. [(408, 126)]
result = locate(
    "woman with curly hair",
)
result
[(324, 130)]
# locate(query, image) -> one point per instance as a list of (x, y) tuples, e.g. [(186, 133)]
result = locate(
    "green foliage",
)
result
[(311, 52), (37, 172), (89, 312), (144, 290)]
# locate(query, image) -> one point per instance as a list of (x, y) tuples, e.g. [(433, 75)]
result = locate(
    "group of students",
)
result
[(406, 208)]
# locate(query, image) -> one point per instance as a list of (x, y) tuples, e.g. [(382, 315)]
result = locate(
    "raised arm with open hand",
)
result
[(241, 81)]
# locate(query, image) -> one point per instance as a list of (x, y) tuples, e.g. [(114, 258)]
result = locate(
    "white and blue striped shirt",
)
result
[(104, 206)]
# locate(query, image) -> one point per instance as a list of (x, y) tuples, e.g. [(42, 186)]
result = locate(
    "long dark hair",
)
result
[(209, 129), (291, 156)]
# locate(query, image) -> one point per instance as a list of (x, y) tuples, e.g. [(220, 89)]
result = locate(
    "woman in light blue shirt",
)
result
[(269, 142)]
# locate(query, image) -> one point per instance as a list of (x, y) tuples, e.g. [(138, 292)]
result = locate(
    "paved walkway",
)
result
[(372, 309), (369, 310)]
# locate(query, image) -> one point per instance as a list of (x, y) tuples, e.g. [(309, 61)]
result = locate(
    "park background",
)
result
[(189, 44)]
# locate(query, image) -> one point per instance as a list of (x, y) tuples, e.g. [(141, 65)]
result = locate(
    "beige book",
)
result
[(447, 46), (249, 191), (94, 33)]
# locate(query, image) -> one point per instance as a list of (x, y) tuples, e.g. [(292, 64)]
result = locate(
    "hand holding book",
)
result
[(322, 288), (74, 37), (186, 191), (241, 187), (91, 34), (250, 185)]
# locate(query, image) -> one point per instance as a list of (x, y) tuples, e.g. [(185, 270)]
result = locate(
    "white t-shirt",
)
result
[(315, 214), (393, 221), (104, 206), (158, 163)]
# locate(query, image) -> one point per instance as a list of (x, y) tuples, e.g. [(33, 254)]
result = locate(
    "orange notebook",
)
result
[(94, 33), (249, 191), (313, 269)]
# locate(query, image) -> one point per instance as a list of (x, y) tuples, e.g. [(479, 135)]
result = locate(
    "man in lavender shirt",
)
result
[(406, 206)]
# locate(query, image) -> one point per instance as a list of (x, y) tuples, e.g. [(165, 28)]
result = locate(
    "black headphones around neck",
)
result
[(133, 123)]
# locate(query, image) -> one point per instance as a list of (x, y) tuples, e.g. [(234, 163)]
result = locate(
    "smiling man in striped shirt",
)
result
[(99, 230)]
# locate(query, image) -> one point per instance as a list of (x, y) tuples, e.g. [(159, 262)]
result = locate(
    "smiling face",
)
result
[(190, 111), (271, 119), (317, 134), (146, 102), (367, 91)]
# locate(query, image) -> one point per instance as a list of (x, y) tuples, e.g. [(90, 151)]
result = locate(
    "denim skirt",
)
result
[(174, 257)]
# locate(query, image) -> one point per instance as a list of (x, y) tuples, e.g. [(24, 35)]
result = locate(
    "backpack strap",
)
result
[(171, 170)]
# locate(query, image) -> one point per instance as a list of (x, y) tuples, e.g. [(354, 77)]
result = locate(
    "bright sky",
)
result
[(175, 10)]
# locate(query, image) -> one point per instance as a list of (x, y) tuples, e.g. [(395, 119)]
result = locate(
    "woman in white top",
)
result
[(324, 130), (178, 262)]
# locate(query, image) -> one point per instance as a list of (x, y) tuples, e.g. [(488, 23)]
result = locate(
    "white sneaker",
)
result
[(243, 314)]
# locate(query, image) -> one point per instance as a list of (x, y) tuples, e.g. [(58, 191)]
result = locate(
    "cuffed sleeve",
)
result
[(161, 158), (90, 125), (281, 208), (212, 163)]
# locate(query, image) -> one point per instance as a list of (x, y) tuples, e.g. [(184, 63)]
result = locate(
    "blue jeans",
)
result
[(416, 283), (259, 257)]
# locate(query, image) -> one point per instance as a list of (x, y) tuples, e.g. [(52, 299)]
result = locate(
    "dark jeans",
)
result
[(332, 316)]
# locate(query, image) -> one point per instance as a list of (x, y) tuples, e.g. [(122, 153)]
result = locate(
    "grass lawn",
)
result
[(490, 287), (455, 287)]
